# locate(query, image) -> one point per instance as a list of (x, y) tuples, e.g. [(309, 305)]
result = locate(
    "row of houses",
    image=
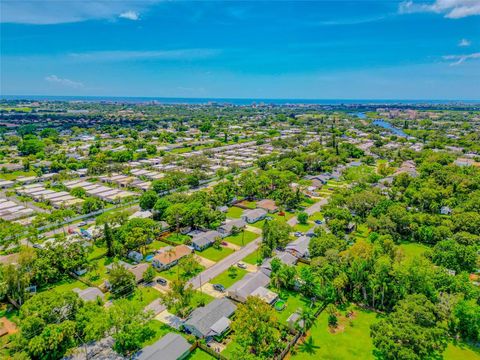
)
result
[(57, 199), (10, 210), (104, 193)]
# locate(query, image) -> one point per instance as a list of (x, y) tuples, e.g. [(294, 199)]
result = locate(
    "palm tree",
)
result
[(306, 319), (308, 346)]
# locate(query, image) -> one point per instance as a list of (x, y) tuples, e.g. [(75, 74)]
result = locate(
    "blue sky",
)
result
[(289, 49)]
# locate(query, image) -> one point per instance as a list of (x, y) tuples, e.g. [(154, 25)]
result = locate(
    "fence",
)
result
[(211, 352), (297, 337)]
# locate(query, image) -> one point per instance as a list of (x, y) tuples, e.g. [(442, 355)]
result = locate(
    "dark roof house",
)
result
[(170, 347)]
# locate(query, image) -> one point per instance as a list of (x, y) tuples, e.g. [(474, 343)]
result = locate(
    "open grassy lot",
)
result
[(303, 227), (175, 272), (228, 278), (16, 174), (215, 254), (66, 285), (351, 340), (242, 238), (178, 238), (234, 212), (98, 274), (461, 351), (155, 245), (160, 329), (199, 354), (252, 258), (412, 250), (143, 296), (316, 216)]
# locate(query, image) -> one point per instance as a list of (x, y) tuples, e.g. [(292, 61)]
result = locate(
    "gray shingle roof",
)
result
[(249, 284), (170, 347), (204, 318)]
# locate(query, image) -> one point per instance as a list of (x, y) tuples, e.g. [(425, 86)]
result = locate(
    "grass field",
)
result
[(242, 238), (351, 342), (412, 250), (175, 272), (252, 258), (234, 212), (16, 174), (461, 351), (303, 227), (215, 254), (294, 301), (66, 285), (199, 354), (227, 279)]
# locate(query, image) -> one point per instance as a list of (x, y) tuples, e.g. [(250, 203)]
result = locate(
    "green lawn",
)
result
[(234, 212), (461, 351), (160, 329), (352, 342), (16, 174), (294, 301), (412, 250), (258, 224), (215, 254), (316, 216), (66, 285), (175, 272), (199, 354), (155, 245), (252, 258), (97, 252), (249, 204), (303, 227), (177, 238), (242, 238), (143, 296), (98, 276), (227, 280)]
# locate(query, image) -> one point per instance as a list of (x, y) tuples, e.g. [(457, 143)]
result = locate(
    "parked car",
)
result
[(241, 265), (161, 281), (83, 223), (318, 222), (219, 287), (224, 243), (298, 234)]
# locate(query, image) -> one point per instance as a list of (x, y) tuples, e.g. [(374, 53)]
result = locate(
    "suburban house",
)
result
[(211, 320), (299, 247), (170, 347), (268, 205), (170, 256), (135, 256), (227, 228), (138, 271), (285, 257), (252, 284), (252, 216), (89, 294), (204, 240)]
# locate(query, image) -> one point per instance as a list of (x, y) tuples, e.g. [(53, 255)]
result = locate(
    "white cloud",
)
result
[(460, 59), (121, 55), (44, 12), (64, 82), (453, 9), (130, 15), (464, 43)]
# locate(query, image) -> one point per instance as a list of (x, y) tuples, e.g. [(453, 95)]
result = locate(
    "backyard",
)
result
[(351, 340)]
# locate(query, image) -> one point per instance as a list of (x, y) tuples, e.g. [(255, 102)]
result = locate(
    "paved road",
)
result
[(224, 264), (310, 211), (230, 260)]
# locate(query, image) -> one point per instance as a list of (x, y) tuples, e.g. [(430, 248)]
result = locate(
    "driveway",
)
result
[(207, 263), (169, 319), (209, 290)]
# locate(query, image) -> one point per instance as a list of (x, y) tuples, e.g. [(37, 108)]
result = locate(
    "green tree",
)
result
[(412, 331), (256, 328), (122, 281)]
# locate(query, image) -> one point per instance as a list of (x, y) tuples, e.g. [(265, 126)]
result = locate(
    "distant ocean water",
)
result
[(233, 101)]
